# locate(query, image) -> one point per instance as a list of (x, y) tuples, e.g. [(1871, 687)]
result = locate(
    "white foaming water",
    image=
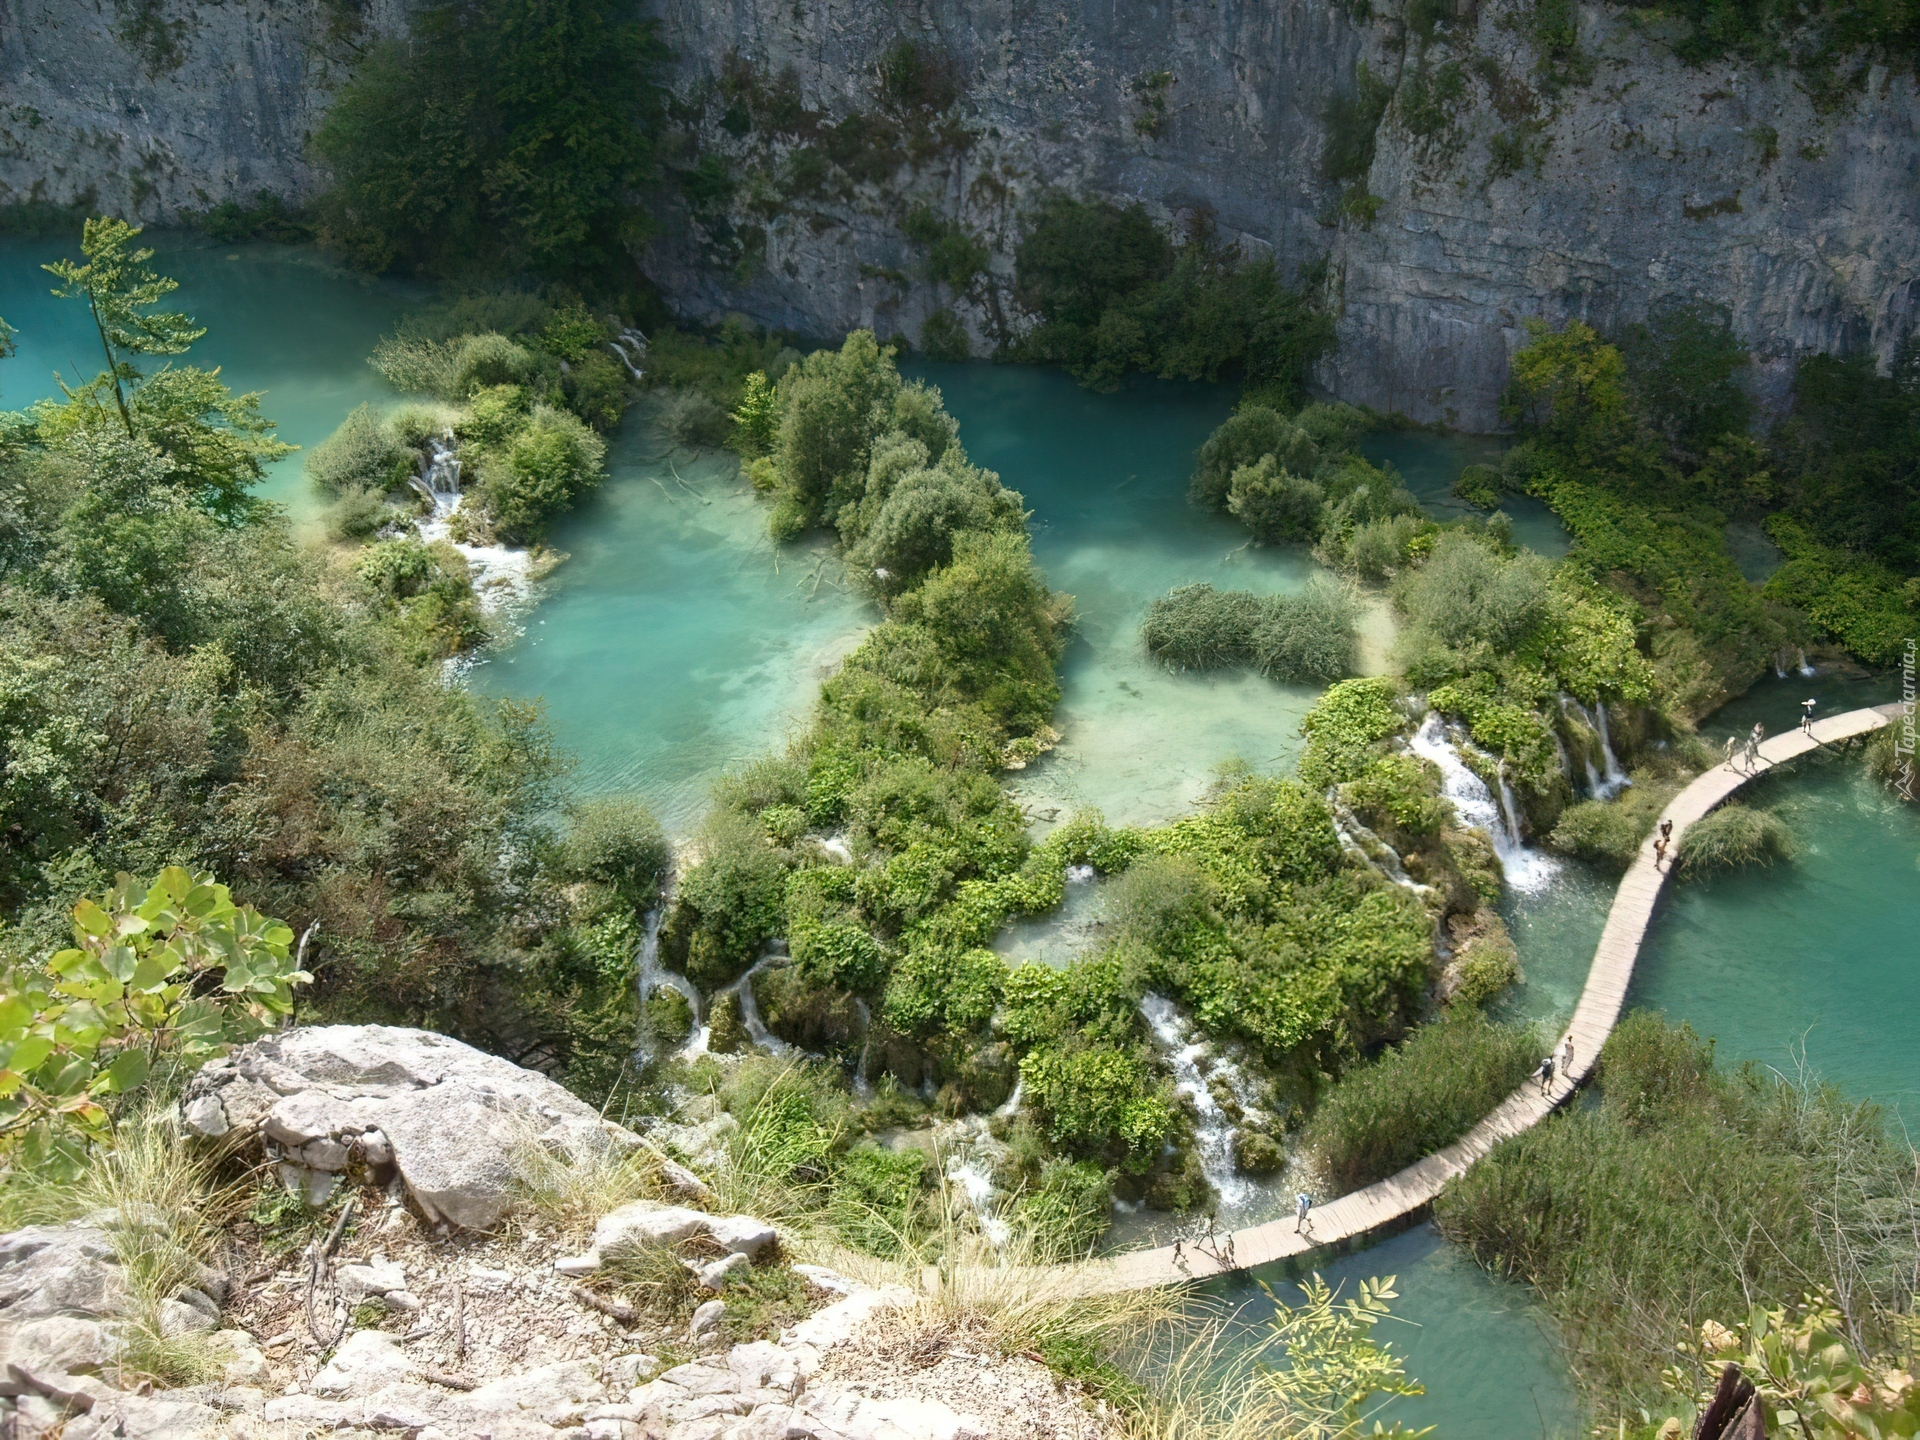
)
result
[(1012, 1107), (1525, 869), (742, 990), (1079, 874), (653, 976), (502, 574), (1213, 1132), (1356, 838), (1615, 779), (862, 1086)]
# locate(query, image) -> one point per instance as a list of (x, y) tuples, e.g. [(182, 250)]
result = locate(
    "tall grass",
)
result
[(1690, 1193), (169, 1206), (1734, 836), (1289, 638), (1417, 1098)]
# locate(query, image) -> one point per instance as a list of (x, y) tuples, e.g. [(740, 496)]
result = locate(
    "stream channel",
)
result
[(670, 646)]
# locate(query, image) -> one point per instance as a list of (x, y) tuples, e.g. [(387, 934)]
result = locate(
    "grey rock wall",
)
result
[(1649, 181)]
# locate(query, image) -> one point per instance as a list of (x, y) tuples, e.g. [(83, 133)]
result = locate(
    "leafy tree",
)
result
[(501, 132), (1684, 366), (118, 287), (1568, 384), (173, 972), (1334, 1367), (216, 444)]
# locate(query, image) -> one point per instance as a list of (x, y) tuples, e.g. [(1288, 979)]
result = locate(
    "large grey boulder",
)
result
[(440, 1114)]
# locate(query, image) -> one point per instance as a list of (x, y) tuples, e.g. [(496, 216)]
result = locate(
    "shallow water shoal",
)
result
[(282, 319), (1106, 479), (672, 645)]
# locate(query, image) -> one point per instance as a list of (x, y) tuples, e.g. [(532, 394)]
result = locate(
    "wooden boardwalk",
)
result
[(1398, 1196)]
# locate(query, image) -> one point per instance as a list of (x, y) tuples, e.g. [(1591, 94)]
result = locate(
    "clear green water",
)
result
[(280, 319), (1815, 956), (672, 645), (1485, 1352), (1106, 479)]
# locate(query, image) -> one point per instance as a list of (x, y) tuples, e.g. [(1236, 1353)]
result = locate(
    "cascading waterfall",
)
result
[(1012, 1107), (862, 1086), (502, 574), (631, 347), (653, 976), (1615, 780), (1524, 868), (742, 991), (970, 1149), (1362, 841), (1213, 1133), (1616, 777), (1805, 669)]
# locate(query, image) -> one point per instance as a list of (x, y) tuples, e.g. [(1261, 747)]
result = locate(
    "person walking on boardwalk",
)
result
[(1302, 1203), (1754, 737), (1566, 1055), (1806, 716), (1659, 851), (1733, 746), (1545, 1072)]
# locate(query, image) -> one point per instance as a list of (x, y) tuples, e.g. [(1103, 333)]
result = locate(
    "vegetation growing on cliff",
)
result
[(499, 136), (1114, 294)]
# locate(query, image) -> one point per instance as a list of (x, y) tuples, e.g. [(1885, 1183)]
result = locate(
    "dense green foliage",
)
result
[(499, 135), (1417, 1098), (1296, 638), (1114, 294), (182, 684), (1689, 1193), (1832, 43)]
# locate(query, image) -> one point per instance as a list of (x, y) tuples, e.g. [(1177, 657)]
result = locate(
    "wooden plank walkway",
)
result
[(1383, 1203)]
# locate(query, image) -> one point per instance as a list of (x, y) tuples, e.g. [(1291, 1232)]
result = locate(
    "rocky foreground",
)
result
[(448, 1311)]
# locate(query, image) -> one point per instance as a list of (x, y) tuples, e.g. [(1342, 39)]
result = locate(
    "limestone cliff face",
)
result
[(1501, 198), (150, 108), (1644, 182)]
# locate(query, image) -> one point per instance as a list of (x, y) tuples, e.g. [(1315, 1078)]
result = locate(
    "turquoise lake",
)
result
[(674, 643)]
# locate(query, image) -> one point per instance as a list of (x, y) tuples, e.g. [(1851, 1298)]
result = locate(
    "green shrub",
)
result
[(1352, 121), (572, 333), (875, 1194), (1251, 433), (489, 138), (924, 510), (1467, 593), (1344, 729), (1479, 485), (362, 453), (1098, 1101), (396, 567), (726, 1031), (1733, 836), (549, 464), (1273, 503), (1379, 549), (1610, 832), (1302, 637), (727, 905), (1417, 1098), (691, 418), (1068, 1211), (480, 362), (614, 840), (668, 1016), (416, 366), (360, 514), (597, 390)]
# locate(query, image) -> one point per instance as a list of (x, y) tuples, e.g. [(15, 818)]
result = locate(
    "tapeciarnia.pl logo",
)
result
[(1903, 747)]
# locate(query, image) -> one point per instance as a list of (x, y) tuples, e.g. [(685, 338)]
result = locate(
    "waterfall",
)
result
[(1616, 777), (1361, 841), (1079, 874), (1524, 869), (1012, 1107), (1805, 669), (863, 1087), (969, 1169), (654, 976), (742, 991), (502, 574), (632, 340), (1213, 1133)]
